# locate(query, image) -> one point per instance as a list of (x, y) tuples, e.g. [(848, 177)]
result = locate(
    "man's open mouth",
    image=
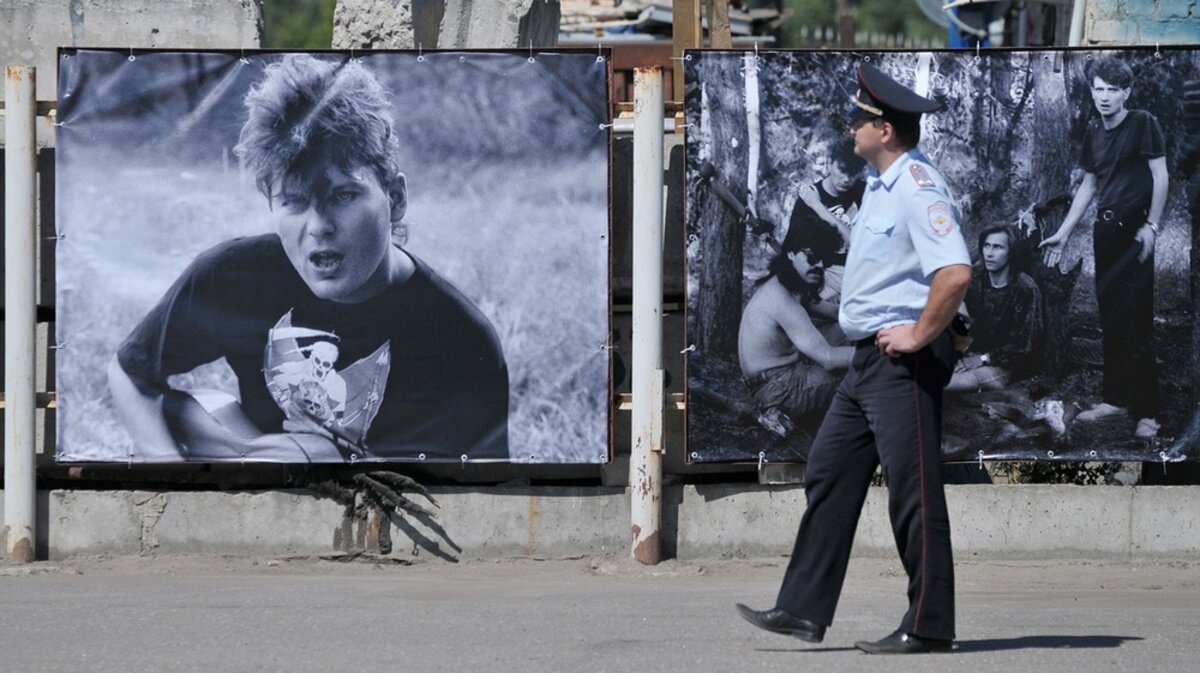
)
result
[(325, 261)]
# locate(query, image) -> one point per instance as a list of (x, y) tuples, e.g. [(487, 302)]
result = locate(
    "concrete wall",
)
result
[(445, 24), (1031, 522), (1126, 22), (34, 29)]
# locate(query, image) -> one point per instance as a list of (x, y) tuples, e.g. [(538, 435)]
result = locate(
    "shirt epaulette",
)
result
[(921, 176)]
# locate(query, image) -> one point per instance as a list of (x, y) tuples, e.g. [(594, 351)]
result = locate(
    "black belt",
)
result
[(866, 341), (756, 380), (1108, 215), (870, 342)]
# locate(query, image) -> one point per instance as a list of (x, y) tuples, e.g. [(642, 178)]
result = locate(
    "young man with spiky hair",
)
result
[(345, 345), (1125, 173)]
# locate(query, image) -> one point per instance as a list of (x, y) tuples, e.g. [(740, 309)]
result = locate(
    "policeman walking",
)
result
[(906, 275)]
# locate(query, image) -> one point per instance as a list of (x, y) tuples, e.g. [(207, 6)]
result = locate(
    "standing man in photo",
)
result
[(1125, 173), (906, 275)]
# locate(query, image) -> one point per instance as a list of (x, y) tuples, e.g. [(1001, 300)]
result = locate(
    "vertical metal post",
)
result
[(645, 465), (20, 170)]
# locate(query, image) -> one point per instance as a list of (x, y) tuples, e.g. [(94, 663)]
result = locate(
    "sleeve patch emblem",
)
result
[(921, 176), (941, 221)]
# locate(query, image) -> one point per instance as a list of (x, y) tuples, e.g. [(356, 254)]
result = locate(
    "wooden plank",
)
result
[(625, 401), (719, 36), (630, 56), (44, 400), (44, 107), (685, 34)]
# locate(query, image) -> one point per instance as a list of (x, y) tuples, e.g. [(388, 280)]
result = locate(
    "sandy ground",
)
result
[(583, 614)]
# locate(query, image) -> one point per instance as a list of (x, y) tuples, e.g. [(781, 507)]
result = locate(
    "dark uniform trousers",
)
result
[(886, 411), (1125, 297)]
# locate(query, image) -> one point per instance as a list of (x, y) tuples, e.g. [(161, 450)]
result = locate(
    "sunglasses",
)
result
[(827, 259)]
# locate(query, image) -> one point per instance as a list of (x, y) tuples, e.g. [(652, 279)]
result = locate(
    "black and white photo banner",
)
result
[(1076, 173), (327, 257)]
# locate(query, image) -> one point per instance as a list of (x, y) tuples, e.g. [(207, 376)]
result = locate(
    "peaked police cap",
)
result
[(880, 96)]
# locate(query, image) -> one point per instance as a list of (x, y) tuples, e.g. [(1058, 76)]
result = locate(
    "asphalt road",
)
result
[(579, 615)]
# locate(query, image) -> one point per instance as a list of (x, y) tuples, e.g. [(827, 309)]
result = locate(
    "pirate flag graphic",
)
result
[(301, 373)]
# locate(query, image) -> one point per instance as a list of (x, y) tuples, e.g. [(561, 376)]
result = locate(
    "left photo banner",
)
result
[(333, 257)]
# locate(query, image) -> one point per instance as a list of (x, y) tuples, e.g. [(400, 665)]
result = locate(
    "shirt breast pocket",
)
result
[(876, 240)]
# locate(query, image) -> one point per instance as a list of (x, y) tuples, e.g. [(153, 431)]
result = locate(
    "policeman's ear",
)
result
[(398, 192), (889, 131)]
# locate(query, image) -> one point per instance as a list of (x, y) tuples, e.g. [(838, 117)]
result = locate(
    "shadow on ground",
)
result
[(1042, 643), (999, 644)]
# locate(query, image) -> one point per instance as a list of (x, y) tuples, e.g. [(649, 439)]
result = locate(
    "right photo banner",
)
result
[(1076, 180)]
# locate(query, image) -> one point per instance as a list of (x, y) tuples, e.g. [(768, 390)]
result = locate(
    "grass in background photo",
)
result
[(514, 238)]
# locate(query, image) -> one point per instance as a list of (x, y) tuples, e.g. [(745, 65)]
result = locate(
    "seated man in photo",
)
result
[(1006, 349), (1006, 309), (788, 363), (345, 346)]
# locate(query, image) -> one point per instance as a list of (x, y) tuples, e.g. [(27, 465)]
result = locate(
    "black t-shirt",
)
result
[(837, 204), (418, 368), (1119, 157), (1007, 322)]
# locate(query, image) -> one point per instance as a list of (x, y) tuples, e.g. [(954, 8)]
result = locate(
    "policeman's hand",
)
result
[(1052, 249), (1145, 237), (896, 340)]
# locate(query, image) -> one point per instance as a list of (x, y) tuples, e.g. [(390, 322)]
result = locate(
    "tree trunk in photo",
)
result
[(721, 230), (1190, 165), (753, 132)]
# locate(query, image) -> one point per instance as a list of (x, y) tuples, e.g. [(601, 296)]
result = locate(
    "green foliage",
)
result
[(298, 24), (811, 12), (1053, 472), (888, 17)]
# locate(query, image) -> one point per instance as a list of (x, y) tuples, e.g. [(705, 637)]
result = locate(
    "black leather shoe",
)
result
[(778, 621), (902, 643)]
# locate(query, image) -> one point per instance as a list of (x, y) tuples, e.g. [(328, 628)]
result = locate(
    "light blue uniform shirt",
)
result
[(906, 229)]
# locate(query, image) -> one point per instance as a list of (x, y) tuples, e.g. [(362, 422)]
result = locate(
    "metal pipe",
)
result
[(646, 375), (1078, 16), (20, 304), (624, 126)]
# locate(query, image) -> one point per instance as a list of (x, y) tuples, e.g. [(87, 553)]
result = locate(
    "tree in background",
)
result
[(888, 17), (298, 24)]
